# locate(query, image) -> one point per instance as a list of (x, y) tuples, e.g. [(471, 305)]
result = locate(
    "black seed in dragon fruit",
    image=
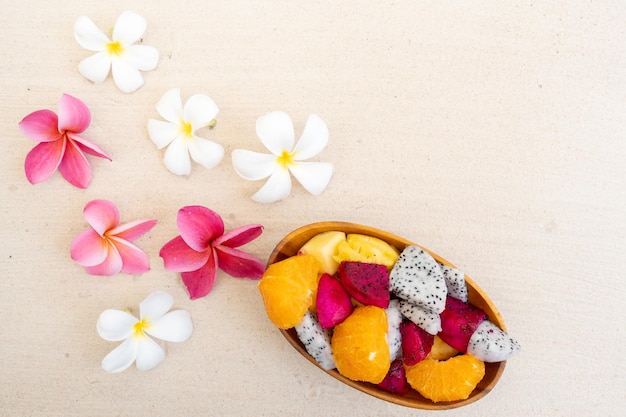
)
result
[(417, 277), (316, 340)]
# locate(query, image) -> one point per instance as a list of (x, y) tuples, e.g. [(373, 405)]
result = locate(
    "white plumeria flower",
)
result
[(178, 131), (118, 53), (154, 320), (276, 132)]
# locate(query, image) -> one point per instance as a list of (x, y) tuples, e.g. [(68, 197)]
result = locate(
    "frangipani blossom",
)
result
[(106, 248), (179, 128), (117, 53), (276, 132), (60, 143), (203, 247), (154, 320)]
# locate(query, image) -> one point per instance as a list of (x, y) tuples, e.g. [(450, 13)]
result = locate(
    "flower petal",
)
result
[(205, 152), (155, 306), (170, 106), (199, 226), (176, 157), (313, 140), (122, 356), (174, 326), (102, 215), (96, 67), (88, 35), (41, 126), (112, 264), (253, 165), (275, 130), (129, 28), (142, 57), (133, 230), (277, 187), (43, 160), (314, 176), (199, 110), (239, 236), (179, 257), (134, 260), (74, 166), (115, 325), (239, 264), (88, 146), (74, 115), (200, 282), (150, 354), (89, 248), (126, 77), (162, 133)]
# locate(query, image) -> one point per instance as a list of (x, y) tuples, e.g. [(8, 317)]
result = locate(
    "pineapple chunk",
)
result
[(323, 247), (364, 248)]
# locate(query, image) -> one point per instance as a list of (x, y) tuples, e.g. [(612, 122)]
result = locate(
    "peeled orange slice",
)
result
[(450, 380)]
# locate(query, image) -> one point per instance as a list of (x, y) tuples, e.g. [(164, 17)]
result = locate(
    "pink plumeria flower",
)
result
[(60, 143), (106, 248), (118, 54), (203, 247), (276, 132), (155, 320)]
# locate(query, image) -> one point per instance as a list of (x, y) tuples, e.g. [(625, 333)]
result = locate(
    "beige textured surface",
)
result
[(491, 134)]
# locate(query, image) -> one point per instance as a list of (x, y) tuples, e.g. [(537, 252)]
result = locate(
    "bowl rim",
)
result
[(289, 245)]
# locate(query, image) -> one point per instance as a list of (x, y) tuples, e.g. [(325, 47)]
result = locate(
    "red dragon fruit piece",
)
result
[(333, 302), (459, 320), (395, 381), (416, 342), (368, 283)]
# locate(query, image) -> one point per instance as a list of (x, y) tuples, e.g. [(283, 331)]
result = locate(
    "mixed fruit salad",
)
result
[(397, 319)]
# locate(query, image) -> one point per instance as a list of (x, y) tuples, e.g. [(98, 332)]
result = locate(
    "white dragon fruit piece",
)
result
[(427, 320), (490, 344), (394, 338), (455, 282), (316, 340), (417, 277)]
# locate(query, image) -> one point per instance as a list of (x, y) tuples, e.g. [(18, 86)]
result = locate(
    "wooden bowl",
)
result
[(290, 245)]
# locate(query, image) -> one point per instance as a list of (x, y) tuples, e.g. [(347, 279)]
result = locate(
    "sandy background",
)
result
[(491, 134)]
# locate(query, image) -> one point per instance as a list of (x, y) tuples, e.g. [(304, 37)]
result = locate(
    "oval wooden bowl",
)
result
[(290, 245)]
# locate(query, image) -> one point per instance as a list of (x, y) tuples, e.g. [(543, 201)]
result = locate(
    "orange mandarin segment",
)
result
[(360, 347), (450, 380), (287, 288)]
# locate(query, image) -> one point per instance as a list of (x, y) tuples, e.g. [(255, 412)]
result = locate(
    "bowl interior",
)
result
[(290, 245)]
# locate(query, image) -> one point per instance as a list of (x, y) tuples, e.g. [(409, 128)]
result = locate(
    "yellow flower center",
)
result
[(285, 159), (115, 48), (140, 328), (186, 129)]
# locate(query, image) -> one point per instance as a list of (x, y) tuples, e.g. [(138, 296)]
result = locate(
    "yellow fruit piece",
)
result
[(441, 350), (323, 246), (287, 288), (365, 248), (360, 347), (450, 380)]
